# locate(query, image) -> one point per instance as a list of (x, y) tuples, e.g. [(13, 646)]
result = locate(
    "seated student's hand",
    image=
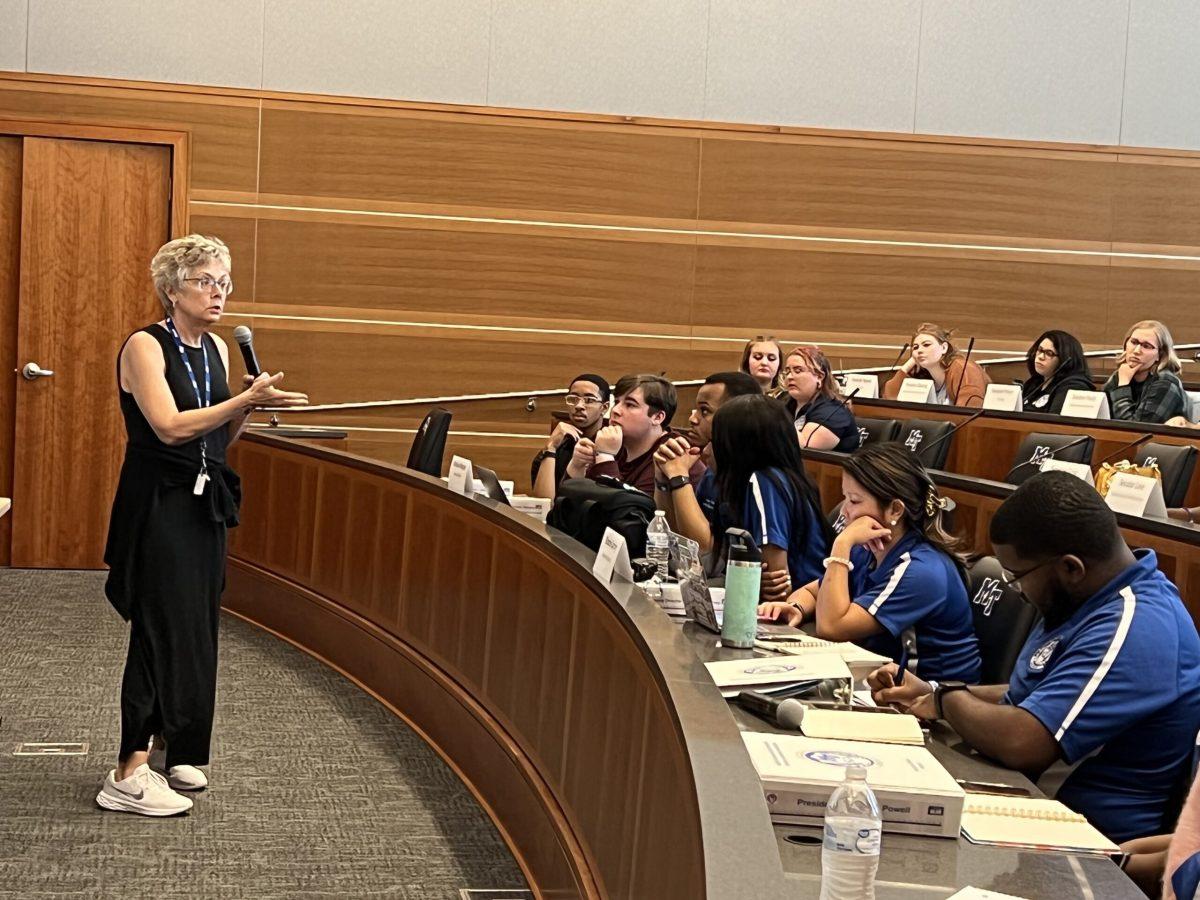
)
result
[(582, 456), (675, 457), (781, 613), (864, 530), (914, 691), (608, 439), (1181, 422), (1125, 373), (776, 585), (561, 432)]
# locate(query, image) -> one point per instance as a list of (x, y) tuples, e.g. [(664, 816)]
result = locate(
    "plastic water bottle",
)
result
[(850, 855), (658, 544)]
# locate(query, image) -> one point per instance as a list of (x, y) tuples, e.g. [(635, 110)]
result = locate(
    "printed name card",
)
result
[(917, 390), (1086, 405), (1079, 470), (867, 384), (613, 557), (1006, 397), (1136, 495), (462, 479)]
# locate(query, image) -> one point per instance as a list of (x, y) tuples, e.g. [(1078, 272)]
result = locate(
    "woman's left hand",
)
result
[(864, 530)]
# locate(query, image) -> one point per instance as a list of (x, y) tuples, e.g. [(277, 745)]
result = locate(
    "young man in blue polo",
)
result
[(1103, 707)]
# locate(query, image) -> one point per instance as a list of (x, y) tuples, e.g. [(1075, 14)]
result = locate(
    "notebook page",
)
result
[(859, 726), (1030, 822)]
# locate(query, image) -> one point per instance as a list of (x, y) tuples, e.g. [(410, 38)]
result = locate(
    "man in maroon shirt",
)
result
[(638, 424)]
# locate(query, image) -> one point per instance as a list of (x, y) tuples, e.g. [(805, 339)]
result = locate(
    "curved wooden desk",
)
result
[(575, 713)]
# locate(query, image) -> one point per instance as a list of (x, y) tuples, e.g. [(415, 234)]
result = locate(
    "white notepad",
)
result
[(862, 662), (735, 675), (1030, 823), (846, 725)]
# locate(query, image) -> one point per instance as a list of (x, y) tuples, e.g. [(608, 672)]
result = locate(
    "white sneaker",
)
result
[(180, 778), (187, 778), (144, 792)]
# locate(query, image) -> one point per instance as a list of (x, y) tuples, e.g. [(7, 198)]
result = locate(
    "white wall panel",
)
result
[(218, 42), (629, 57), (12, 35), (824, 63), (1162, 75), (1024, 69), (428, 50)]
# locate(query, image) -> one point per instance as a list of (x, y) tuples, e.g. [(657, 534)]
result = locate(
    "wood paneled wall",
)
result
[(385, 250)]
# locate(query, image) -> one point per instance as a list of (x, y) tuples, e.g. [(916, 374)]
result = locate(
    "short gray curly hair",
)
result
[(175, 259)]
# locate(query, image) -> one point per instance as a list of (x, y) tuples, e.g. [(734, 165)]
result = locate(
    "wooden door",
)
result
[(92, 215), (10, 255)]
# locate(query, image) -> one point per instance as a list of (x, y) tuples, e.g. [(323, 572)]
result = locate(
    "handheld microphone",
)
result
[(1130, 446), (1067, 446), (963, 376), (245, 341), (963, 424), (841, 402), (784, 713)]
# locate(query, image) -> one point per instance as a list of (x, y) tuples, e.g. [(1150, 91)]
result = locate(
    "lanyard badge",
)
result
[(201, 402)]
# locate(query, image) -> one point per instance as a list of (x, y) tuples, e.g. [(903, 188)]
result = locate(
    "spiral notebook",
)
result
[(1031, 824)]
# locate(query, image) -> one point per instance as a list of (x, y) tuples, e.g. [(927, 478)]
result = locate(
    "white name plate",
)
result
[(538, 507), (1005, 397), (613, 557), (461, 479), (917, 390), (1086, 405), (866, 384), (1079, 470), (1136, 495)]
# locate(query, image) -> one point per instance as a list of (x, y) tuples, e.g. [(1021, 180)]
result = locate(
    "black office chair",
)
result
[(875, 431), (1002, 619), (916, 434), (1176, 462), (1038, 446), (429, 444)]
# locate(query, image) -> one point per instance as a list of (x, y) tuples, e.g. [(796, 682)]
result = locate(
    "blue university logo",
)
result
[(1042, 655), (839, 758)]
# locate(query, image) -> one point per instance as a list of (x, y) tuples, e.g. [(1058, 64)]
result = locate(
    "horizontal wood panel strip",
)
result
[(431, 271), (871, 187), (429, 161), (720, 234), (1157, 204), (873, 295), (224, 136)]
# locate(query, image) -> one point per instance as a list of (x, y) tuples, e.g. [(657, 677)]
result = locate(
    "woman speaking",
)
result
[(166, 537)]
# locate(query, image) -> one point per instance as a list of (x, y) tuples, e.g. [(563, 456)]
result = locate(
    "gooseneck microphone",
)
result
[(899, 355), (963, 424), (963, 376), (245, 341), (1039, 460), (843, 401), (1131, 445)]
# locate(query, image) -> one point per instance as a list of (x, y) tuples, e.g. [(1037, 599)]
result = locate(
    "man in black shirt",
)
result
[(587, 402)]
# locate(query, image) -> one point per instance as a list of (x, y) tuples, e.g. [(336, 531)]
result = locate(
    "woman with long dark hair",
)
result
[(1056, 365), (763, 486), (894, 578)]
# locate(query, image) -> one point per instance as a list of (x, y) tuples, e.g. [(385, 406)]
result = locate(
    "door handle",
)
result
[(33, 371)]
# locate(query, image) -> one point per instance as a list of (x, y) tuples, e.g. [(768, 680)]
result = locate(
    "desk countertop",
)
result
[(925, 868)]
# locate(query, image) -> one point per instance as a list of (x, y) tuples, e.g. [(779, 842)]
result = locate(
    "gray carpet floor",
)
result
[(317, 790)]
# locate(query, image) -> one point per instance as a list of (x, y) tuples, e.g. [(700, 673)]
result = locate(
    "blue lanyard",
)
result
[(201, 403)]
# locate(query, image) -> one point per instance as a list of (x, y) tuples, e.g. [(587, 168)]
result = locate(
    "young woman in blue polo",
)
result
[(763, 488), (893, 581)]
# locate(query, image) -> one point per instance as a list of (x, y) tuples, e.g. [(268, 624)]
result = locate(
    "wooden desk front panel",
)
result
[(596, 770)]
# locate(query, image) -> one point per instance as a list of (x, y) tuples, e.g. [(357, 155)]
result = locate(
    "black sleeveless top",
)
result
[(155, 490)]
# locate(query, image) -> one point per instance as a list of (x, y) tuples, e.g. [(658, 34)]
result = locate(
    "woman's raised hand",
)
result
[(261, 391)]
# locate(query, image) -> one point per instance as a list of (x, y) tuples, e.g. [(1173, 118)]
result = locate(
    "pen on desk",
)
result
[(902, 666)]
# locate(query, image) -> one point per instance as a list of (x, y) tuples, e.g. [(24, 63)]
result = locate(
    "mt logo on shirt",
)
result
[(1042, 655)]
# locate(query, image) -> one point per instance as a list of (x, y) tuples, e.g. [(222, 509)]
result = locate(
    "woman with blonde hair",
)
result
[(166, 539), (956, 380), (818, 411), (762, 358), (1146, 385)]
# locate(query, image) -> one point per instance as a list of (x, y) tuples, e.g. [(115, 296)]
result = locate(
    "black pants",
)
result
[(170, 681)]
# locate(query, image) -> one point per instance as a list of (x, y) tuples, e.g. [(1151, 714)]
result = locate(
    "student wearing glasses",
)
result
[(1146, 385), (587, 401), (820, 416), (1103, 706), (1056, 365)]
